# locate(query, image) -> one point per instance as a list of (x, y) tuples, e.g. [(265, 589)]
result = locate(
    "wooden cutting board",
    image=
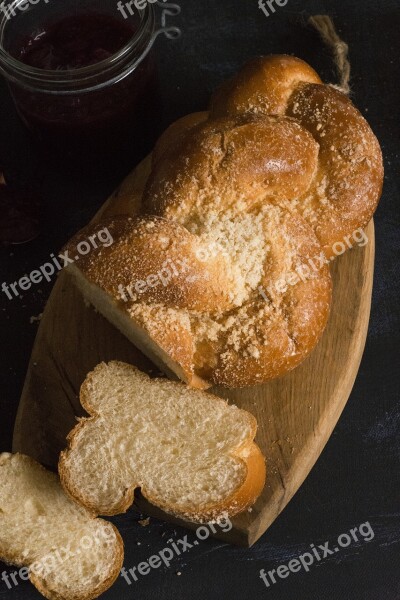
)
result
[(296, 414)]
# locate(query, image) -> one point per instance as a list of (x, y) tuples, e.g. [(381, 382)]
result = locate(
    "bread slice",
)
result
[(70, 554), (191, 453)]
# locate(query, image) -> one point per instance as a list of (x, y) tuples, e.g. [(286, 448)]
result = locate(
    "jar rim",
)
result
[(33, 77)]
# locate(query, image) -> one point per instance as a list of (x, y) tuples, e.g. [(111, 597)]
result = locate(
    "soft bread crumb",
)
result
[(187, 450), (77, 557)]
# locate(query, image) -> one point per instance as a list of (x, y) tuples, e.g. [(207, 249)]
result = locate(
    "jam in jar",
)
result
[(84, 82)]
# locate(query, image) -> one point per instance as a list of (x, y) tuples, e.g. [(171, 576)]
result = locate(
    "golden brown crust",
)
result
[(269, 332), (348, 186), (252, 487), (244, 497), (276, 136), (348, 183), (246, 158), (284, 323), (175, 133), (262, 86), (155, 261)]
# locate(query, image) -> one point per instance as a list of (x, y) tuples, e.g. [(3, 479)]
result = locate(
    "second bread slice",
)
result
[(67, 553), (191, 453)]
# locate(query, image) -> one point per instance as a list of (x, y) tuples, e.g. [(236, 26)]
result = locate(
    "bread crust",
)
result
[(251, 158), (291, 320), (350, 166), (248, 453), (283, 325), (155, 261), (176, 133), (348, 182), (242, 499), (275, 136), (263, 86)]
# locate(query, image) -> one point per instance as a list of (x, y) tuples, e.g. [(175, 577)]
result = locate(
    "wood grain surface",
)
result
[(296, 414)]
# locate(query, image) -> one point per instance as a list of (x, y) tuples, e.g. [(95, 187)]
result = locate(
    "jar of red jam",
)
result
[(82, 75)]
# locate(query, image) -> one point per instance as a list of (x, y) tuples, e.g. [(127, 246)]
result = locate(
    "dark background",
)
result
[(357, 476)]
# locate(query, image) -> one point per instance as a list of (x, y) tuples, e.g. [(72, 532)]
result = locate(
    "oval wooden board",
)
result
[(296, 414)]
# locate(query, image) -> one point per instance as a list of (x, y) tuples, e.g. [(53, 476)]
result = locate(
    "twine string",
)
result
[(325, 27)]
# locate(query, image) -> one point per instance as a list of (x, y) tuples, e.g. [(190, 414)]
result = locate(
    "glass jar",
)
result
[(93, 109)]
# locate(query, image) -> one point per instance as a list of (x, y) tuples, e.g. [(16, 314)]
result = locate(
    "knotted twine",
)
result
[(325, 27)]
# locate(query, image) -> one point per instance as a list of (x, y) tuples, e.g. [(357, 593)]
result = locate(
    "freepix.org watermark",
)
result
[(167, 554), (10, 10), (127, 9), (269, 6), (49, 269), (305, 271), (168, 271), (51, 561), (363, 533)]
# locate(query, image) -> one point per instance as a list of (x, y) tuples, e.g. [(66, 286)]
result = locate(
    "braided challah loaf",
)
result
[(213, 280)]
